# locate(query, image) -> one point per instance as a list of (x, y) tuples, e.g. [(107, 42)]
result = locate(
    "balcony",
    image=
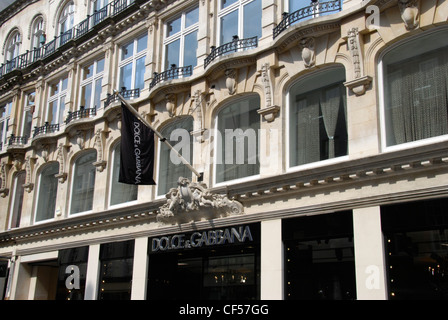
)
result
[(127, 94), (314, 10), (46, 128), (235, 45), (169, 74), (80, 114)]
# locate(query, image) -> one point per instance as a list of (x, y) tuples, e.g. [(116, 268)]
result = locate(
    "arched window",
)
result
[(170, 167), (317, 118), (120, 192), (66, 18), (37, 33), (238, 127), (17, 200), (47, 191), (13, 46), (415, 79), (83, 183)]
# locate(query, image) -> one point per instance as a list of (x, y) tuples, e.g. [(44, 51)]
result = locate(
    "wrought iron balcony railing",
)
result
[(127, 94), (29, 57), (172, 73), (46, 128), (233, 46), (17, 140), (81, 113), (313, 10)]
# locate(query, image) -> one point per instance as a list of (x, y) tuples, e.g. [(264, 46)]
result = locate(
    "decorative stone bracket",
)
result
[(269, 113), (192, 201), (360, 85)]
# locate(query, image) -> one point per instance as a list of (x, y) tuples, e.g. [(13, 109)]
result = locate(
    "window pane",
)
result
[(168, 171), (318, 128), (61, 110), (86, 94), (142, 43), (126, 76), (127, 51), (87, 72), (173, 27), (83, 183), (229, 27), (191, 45), (172, 54), (100, 66), (120, 192), (64, 84), (226, 3), (140, 73), (295, 5), (252, 20), (191, 17), (238, 155), (27, 124), (53, 112), (48, 186), (97, 98), (18, 200)]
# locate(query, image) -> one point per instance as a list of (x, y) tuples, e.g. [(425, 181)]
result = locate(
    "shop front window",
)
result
[(211, 272), (416, 236), (319, 257), (117, 261), (68, 261)]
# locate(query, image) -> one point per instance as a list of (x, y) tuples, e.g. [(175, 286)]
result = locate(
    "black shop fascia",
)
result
[(218, 263)]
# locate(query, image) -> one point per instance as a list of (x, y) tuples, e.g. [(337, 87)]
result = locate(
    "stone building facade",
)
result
[(335, 186)]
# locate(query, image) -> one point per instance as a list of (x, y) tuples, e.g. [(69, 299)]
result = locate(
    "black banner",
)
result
[(137, 150)]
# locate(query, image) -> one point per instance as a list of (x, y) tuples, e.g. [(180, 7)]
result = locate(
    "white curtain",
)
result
[(417, 98), (330, 100), (308, 133)]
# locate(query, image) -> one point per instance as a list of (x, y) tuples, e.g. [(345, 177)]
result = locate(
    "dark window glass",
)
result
[(319, 257), (68, 257)]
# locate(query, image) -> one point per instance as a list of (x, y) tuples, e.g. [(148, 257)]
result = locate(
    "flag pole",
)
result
[(163, 139)]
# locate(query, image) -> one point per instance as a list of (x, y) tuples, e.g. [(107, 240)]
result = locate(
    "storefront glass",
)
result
[(416, 236), (319, 257), (116, 270), (72, 258), (212, 268)]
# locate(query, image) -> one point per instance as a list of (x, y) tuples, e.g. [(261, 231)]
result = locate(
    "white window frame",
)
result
[(92, 81), (72, 186), (238, 5), (5, 118), (37, 194), (66, 18), (28, 108), (382, 127), (222, 135), (316, 164), (13, 46), (61, 94), (180, 35), (131, 60), (38, 31)]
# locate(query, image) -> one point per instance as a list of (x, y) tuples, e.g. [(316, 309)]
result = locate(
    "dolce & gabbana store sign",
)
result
[(199, 239)]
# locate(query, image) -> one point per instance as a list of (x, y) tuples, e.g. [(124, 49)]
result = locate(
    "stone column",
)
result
[(93, 272), (140, 269)]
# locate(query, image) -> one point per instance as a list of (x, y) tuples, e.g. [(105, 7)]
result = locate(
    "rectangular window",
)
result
[(317, 118), (181, 39), (5, 113), (115, 281), (132, 63), (237, 154), (92, 75), (240, 18), (56, 101), (17, 204), (415, 95), (28, 114), (47, 191)]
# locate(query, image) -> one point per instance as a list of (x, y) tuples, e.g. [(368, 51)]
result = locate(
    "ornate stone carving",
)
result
[(28, 186), (3, 190), (409, 13), (361, 81), (191, 201), (308, 55), (61, 155), (269, 112), (170, 100), (100, 163), (231, 81)]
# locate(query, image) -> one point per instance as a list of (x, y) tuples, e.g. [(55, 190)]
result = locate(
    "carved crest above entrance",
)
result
[(192, 201)]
